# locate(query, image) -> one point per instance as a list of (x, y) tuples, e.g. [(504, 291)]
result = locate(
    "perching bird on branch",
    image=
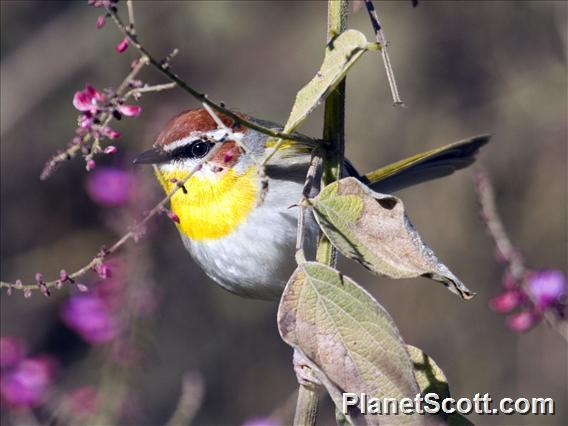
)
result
[(241, 232)]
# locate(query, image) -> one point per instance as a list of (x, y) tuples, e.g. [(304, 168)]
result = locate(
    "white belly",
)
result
[(257, 258)]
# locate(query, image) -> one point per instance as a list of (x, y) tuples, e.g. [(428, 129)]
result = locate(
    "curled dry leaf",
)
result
[(373, 229), (351, 339)]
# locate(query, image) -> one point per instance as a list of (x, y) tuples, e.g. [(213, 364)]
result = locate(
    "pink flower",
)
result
[(547, 287), (109, 186), (90, 165), (26, 384), (522, 321), (122, 46), (104, 271), (110, 133), (130, 110), (506, 302), (91, 318), (88, 100), (10, 351)]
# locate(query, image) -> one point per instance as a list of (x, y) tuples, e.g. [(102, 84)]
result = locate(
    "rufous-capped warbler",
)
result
[(245, 245)]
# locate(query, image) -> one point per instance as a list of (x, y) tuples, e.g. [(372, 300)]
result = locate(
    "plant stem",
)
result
[(306, 407), (333, 152), (334, 122)]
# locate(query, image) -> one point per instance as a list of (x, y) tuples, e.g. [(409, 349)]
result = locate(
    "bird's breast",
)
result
[(212, 206)]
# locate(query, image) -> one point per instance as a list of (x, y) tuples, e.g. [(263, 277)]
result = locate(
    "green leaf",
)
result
[(348, 335), (340, 55), (374, 230)]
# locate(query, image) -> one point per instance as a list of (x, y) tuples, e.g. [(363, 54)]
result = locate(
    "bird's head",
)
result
[(225, 189)]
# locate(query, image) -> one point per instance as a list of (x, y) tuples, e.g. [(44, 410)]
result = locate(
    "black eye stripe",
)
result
[(196, 149)]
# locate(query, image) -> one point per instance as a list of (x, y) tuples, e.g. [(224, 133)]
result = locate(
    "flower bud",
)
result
[(522, 321), (506, 301), (122, 46), (101, 20), (111, 149), (90, 165), (130, 110), (174, 217)]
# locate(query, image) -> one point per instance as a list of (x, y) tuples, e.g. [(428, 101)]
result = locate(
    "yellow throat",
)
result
[(213, 206)]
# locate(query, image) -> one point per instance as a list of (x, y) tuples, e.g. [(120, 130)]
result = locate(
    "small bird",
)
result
[(241, 232)]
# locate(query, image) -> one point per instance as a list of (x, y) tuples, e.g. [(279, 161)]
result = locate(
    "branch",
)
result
[(494, 224), (105, 252), (315, 164), (72, 150), (380, 37), (202, 98), (506, 249)]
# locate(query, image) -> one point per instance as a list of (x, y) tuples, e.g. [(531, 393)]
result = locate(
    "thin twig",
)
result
[(147, 89), (379, 36), (98, 259), (202, 98), (130, 8), (315, 163), (228, 131), (495, 225), (189, 401), (506, 249), (70, 152)]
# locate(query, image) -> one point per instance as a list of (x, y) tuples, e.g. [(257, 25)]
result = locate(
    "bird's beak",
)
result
[(152, 156)]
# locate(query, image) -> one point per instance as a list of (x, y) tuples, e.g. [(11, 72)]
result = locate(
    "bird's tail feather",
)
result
[(422, 167)]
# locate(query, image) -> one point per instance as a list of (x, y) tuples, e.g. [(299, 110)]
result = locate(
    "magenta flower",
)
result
[(88, 100), (91, 318), (130, 110), (109, 186), (506, 301), (122, 46), (522, 321), (11, 351), (25, 385), (547, 287)]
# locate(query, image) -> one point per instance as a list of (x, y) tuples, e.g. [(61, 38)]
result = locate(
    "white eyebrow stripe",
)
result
[(217, 134)]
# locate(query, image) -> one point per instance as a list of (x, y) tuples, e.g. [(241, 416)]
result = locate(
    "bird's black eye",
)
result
[(196, 149), (199, 149)]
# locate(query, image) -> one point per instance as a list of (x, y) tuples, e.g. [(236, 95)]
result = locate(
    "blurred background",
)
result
[(463, 68)]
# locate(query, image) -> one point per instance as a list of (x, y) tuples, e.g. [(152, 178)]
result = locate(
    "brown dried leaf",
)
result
[(373, 229)]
